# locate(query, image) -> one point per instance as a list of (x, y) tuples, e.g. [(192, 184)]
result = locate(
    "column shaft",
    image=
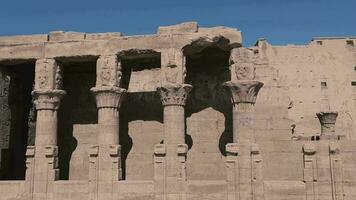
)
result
[(173, 98), (174, 123), (46, 128), (108, 126)]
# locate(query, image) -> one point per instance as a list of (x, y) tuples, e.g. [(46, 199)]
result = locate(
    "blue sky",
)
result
[(280, 21)]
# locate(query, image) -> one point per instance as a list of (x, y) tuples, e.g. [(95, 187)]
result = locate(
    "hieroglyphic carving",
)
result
[(48, 75), (58, 78), (5, 118), (4, 85), (108, 71)]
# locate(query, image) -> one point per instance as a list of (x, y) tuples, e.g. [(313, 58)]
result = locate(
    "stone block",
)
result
[(103, 36), (61, 36), (187, 27)]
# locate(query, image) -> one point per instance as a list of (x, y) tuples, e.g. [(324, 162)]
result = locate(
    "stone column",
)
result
[(47, 96), (108, 97), (243, 160), (173, 97), (327, 122), (243, 97)]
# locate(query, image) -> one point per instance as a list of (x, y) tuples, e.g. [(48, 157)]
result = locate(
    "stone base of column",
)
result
[(244, 172), (104, 171), (42, 172), (232, 171), (170, 173), (159, 171)]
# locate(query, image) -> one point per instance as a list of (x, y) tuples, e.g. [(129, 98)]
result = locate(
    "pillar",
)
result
[(47, 96), (327, 122), (173, 97), (106, 155), (243, 160)]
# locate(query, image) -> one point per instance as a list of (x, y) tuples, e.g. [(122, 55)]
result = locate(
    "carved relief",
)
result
[(108, 71), (48, 75), (327, 122), (244, 71), (4, 86), (244, 91), (242, 64), (172, 62), (58, 78), (171, 73)]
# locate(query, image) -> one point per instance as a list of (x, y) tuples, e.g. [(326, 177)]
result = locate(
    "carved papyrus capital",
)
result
[(327, 122), (174, 94), (243, 91), (108, 70), (108, 96), (47, 99), (48, 74)]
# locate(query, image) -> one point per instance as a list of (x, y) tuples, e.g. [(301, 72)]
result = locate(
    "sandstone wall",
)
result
[(283, 154)]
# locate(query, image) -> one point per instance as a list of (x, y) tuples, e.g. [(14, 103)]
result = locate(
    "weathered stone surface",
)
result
[(60, 36), (189, 126), (186, 27)]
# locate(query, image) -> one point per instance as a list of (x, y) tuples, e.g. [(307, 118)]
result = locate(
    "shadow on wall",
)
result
[(206, 71), (77, 107), (15, 98), (143, 107)]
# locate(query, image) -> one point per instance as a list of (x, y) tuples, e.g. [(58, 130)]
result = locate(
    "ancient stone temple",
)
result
[(188, 113)]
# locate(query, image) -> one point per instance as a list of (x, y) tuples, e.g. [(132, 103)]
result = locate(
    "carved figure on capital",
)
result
[(108, 71), (48, 75), (242, 64)]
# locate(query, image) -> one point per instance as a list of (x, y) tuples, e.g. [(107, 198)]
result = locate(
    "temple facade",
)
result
[(188, 113)]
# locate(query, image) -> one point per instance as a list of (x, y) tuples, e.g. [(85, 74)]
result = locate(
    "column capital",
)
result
[(327, 117), (108, 96), (243, 91), (47, 99), (327, 122), (174, 94)]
